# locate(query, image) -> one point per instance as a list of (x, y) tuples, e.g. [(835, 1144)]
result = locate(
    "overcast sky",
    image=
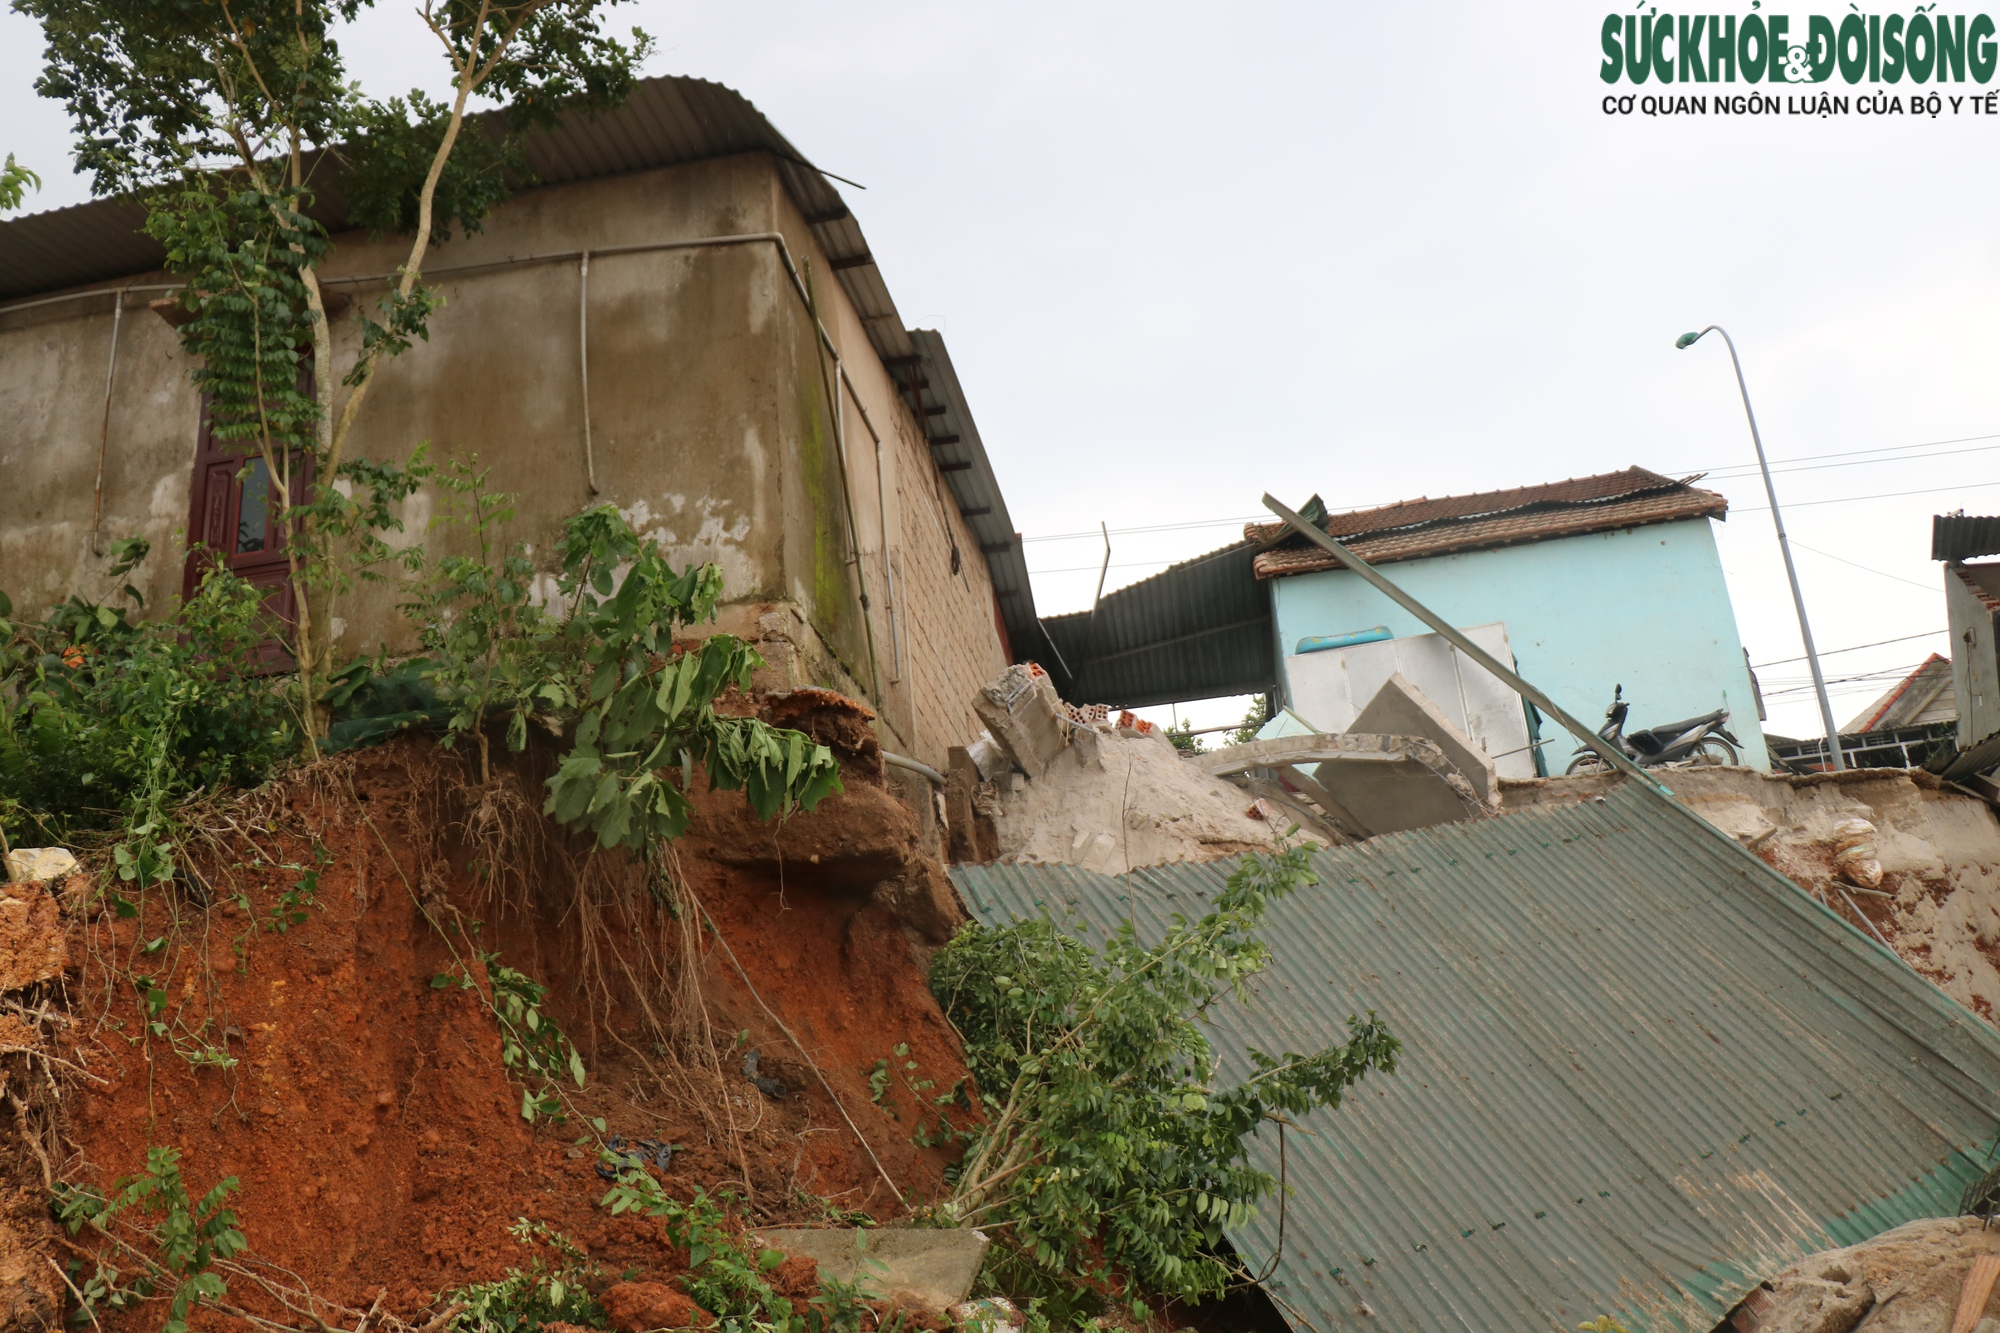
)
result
[(1185, 254)]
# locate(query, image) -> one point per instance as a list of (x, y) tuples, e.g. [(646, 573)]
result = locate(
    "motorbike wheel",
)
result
[(1713, 750), (1587, 763)]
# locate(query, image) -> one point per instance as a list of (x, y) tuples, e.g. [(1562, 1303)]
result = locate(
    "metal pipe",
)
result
[(1102, 570), (1610, 753), (104, 430), (1784, 546), (925, 770), (94, 291), (888, 566), (583, 351)]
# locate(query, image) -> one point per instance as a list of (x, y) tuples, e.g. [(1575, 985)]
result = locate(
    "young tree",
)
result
[(14, 182), (220, 117)]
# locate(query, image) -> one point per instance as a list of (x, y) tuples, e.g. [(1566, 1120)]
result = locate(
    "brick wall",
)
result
[(951, 645)]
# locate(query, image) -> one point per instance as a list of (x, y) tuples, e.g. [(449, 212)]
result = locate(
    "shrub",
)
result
[(1105, 1125), (107, 722)]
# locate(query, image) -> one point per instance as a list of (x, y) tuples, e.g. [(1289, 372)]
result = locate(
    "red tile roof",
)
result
[(1414, 529)]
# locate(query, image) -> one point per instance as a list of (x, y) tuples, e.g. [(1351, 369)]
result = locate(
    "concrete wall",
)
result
[(712, 427), (1975, 657), (1646, 608)]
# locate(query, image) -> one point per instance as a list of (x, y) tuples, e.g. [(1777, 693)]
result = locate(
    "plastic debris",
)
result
[(1854, 853), (770, 1087), (990, 1314)]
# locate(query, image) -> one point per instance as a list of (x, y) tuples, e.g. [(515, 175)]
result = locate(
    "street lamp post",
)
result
[(1685, 341)]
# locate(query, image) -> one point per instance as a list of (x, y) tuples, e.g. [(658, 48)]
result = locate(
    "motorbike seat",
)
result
[(1668, 731)]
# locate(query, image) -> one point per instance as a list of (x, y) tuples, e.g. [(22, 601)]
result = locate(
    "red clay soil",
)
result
[(379, 1142)]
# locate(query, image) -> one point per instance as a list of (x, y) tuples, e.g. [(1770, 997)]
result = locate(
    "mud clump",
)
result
[(348, 1072), (634, 1307)]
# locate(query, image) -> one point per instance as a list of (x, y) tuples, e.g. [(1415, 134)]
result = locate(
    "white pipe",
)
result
[(583, 352), (94, 291), (104, 431), (899, 761)]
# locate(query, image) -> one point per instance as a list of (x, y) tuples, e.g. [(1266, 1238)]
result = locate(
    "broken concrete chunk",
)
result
[(26, 865), (922, 1267), (1021, 710), (1399, 708), (987, 756)]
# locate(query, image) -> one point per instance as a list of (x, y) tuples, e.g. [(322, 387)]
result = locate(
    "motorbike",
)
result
[(1695, 740)]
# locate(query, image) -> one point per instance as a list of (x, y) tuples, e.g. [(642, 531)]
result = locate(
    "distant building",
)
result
[(1921, 699), (1587, 584), (1590, 583)]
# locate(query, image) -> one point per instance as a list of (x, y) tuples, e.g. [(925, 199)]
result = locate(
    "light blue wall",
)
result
[(1646, 608)]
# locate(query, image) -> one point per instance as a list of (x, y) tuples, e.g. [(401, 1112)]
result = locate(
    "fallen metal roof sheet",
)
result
[(1641, 1070), (1417, 528), (1199, 630)]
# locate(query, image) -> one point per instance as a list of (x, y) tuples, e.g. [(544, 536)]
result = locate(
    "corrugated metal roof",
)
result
[(1198, 630), (665, 122), (1417, 528), (1641, 1070), (1964, 537)]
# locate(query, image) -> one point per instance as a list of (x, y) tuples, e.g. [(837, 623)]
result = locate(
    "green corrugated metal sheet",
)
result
[(1641, 1070)]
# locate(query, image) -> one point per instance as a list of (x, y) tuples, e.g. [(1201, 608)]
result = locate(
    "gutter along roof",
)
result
[(1641, 1069), (666, 122), (1413, 529)]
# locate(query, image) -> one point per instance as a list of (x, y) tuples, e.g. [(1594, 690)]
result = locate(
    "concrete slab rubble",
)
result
[(1026, 719), (1363, 785), (925, 1267), (1399, 708)]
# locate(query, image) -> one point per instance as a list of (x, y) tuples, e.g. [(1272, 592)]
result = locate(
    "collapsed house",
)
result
[(681, 317), (1642, 1072)]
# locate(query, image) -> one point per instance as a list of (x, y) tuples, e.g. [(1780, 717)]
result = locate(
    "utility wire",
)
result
[(1782, 661), (1880, 495), (1866, 569), (1843, 453), (1723, 472)]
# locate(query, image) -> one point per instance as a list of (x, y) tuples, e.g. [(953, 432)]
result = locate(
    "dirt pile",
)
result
[(1904, 1281), (1938, 901), (343, 1071)]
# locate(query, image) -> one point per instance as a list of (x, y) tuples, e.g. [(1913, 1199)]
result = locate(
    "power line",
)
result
[(1866, 569), (1834, 652), (1750, 468), (1883, 495), (1721, 472)]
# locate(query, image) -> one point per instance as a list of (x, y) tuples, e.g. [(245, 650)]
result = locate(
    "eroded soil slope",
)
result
[(377, 1136)]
